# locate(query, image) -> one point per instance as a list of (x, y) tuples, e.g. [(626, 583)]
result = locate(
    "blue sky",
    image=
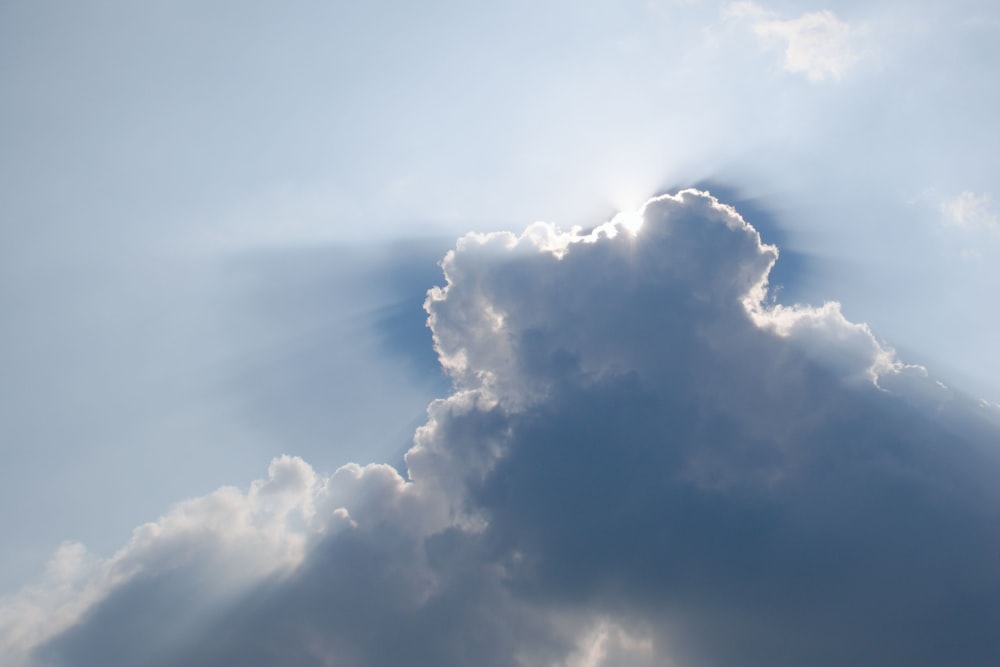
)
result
[(218, 222)]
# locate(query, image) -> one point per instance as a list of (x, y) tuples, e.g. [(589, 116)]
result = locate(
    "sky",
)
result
[(550, 333)]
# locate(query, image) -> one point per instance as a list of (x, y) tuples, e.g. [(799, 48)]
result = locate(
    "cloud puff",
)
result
[(644, 461), (232, 537), (972, 211), (816, 44)]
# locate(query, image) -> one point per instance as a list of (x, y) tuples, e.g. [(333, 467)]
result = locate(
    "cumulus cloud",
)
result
[(230, 536), (816, 44), (644, 461)]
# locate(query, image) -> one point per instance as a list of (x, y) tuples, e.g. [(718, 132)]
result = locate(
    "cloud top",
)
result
[(501, 328)]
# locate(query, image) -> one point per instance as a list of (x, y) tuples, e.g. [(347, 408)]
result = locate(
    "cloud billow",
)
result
[(644, 461)]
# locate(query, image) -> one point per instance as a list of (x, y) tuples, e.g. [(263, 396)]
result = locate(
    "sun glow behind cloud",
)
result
[(171, 294), (631, 221)]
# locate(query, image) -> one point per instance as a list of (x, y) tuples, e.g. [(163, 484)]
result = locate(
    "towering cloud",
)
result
[(644, 461)]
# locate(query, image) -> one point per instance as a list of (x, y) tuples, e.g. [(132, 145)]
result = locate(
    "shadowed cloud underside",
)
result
[(644, 461)]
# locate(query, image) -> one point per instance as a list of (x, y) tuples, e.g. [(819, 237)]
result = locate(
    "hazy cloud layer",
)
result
[(644, 461)]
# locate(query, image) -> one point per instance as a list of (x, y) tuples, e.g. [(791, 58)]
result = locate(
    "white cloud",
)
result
[(641, 454), (971, 211), (816, 44), (607, 643), (232, 539)]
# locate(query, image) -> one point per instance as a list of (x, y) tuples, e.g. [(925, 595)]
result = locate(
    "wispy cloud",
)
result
[(971, 211), (816, 44)]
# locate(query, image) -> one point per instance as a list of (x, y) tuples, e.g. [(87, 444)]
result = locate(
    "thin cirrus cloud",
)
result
[(644, 460), (816, 44)]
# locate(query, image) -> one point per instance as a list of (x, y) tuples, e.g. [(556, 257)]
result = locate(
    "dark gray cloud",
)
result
[(644, 461)]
